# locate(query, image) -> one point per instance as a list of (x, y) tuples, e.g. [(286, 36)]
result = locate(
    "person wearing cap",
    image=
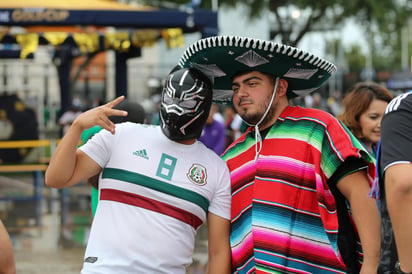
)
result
[(67, 118), (300, 179), (155, 190)]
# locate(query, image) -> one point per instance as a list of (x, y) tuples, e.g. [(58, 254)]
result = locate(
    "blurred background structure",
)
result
[(54, 54)]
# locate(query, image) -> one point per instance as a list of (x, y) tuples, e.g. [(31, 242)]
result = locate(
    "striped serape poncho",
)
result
[(284, 215)]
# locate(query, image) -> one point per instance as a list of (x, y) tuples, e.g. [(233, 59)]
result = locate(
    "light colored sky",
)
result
[(231, 23), (350, 34)]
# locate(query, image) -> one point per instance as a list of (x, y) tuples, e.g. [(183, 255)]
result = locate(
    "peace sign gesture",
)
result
[(99, 116)]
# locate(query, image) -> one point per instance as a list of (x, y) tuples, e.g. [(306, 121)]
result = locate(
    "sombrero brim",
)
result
[(221, 57)]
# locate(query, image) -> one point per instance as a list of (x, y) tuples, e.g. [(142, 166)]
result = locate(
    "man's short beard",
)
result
[(254, 118)]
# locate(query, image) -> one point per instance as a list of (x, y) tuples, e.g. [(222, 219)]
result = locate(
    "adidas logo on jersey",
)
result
[(141, 153)]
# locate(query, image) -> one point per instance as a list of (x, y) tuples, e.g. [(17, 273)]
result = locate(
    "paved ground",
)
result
[(46, 262), (67, 261), (36, 253), (36, 249)]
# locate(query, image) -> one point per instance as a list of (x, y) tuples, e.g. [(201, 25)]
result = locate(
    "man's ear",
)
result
[(282, 87)]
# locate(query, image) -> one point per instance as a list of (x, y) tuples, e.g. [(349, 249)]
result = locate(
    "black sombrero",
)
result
[(221, 57)]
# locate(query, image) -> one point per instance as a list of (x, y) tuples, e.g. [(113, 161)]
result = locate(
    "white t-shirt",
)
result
[(154, 194)]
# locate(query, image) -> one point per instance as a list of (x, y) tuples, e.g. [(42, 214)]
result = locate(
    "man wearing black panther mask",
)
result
[(158, 183)]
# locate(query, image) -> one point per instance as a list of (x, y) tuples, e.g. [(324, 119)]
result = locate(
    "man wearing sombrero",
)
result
[(300, 180)]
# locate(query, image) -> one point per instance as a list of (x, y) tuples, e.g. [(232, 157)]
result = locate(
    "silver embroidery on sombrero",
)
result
[(251, 59), (300, 73)]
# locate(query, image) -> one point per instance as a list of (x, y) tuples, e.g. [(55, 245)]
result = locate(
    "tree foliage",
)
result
[(380, 20)]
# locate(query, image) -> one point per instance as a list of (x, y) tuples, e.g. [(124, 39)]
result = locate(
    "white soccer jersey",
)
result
[(154, 194)]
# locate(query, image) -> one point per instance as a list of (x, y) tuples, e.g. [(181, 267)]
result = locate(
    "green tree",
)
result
[(381, 20), (384, 16)]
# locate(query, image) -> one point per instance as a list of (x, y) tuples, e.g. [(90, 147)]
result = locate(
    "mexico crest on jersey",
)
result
[(197, 174)]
